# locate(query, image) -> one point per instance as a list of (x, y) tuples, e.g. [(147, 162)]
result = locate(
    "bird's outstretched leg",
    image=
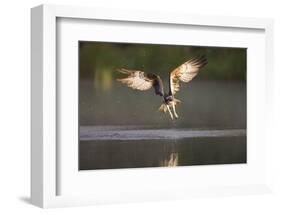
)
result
[(170, 112), (174, 109)]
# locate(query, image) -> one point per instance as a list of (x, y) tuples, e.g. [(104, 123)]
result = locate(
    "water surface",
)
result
[(142, 153), (122, 128)]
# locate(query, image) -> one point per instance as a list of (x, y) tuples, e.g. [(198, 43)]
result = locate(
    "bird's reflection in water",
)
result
[(171, 161), (170, 155)]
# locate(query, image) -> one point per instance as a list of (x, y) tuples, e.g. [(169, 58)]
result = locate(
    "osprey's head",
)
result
[(168, 98)]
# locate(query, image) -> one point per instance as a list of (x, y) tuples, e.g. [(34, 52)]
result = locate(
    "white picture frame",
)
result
[(44, 149)]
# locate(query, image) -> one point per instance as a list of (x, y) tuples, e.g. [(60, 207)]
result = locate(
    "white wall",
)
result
[(15, 99)]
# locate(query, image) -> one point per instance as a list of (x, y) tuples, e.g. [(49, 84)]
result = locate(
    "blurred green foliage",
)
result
[(99, 60)]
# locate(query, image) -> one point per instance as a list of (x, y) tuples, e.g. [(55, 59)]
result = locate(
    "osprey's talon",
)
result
[(172, 117)]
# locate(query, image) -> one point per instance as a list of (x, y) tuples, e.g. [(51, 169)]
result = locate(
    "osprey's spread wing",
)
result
[(185, 73), (139, 80)]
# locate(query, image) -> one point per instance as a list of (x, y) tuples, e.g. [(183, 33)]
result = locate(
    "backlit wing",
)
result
[(185, 73), (139, 80)]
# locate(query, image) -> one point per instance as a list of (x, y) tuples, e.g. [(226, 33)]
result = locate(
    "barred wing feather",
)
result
[(139, 80), (185, 73)]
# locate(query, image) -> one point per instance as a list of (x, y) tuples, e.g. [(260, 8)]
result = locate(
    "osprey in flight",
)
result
[(140, 80)]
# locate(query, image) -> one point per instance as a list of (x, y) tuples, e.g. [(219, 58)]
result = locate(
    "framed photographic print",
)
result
[(198, 124), (119, 99)]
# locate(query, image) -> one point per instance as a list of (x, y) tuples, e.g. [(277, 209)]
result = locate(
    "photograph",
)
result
[(161, 105)]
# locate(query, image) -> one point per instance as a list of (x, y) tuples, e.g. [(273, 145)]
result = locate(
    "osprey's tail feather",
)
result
[(163, 108)]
